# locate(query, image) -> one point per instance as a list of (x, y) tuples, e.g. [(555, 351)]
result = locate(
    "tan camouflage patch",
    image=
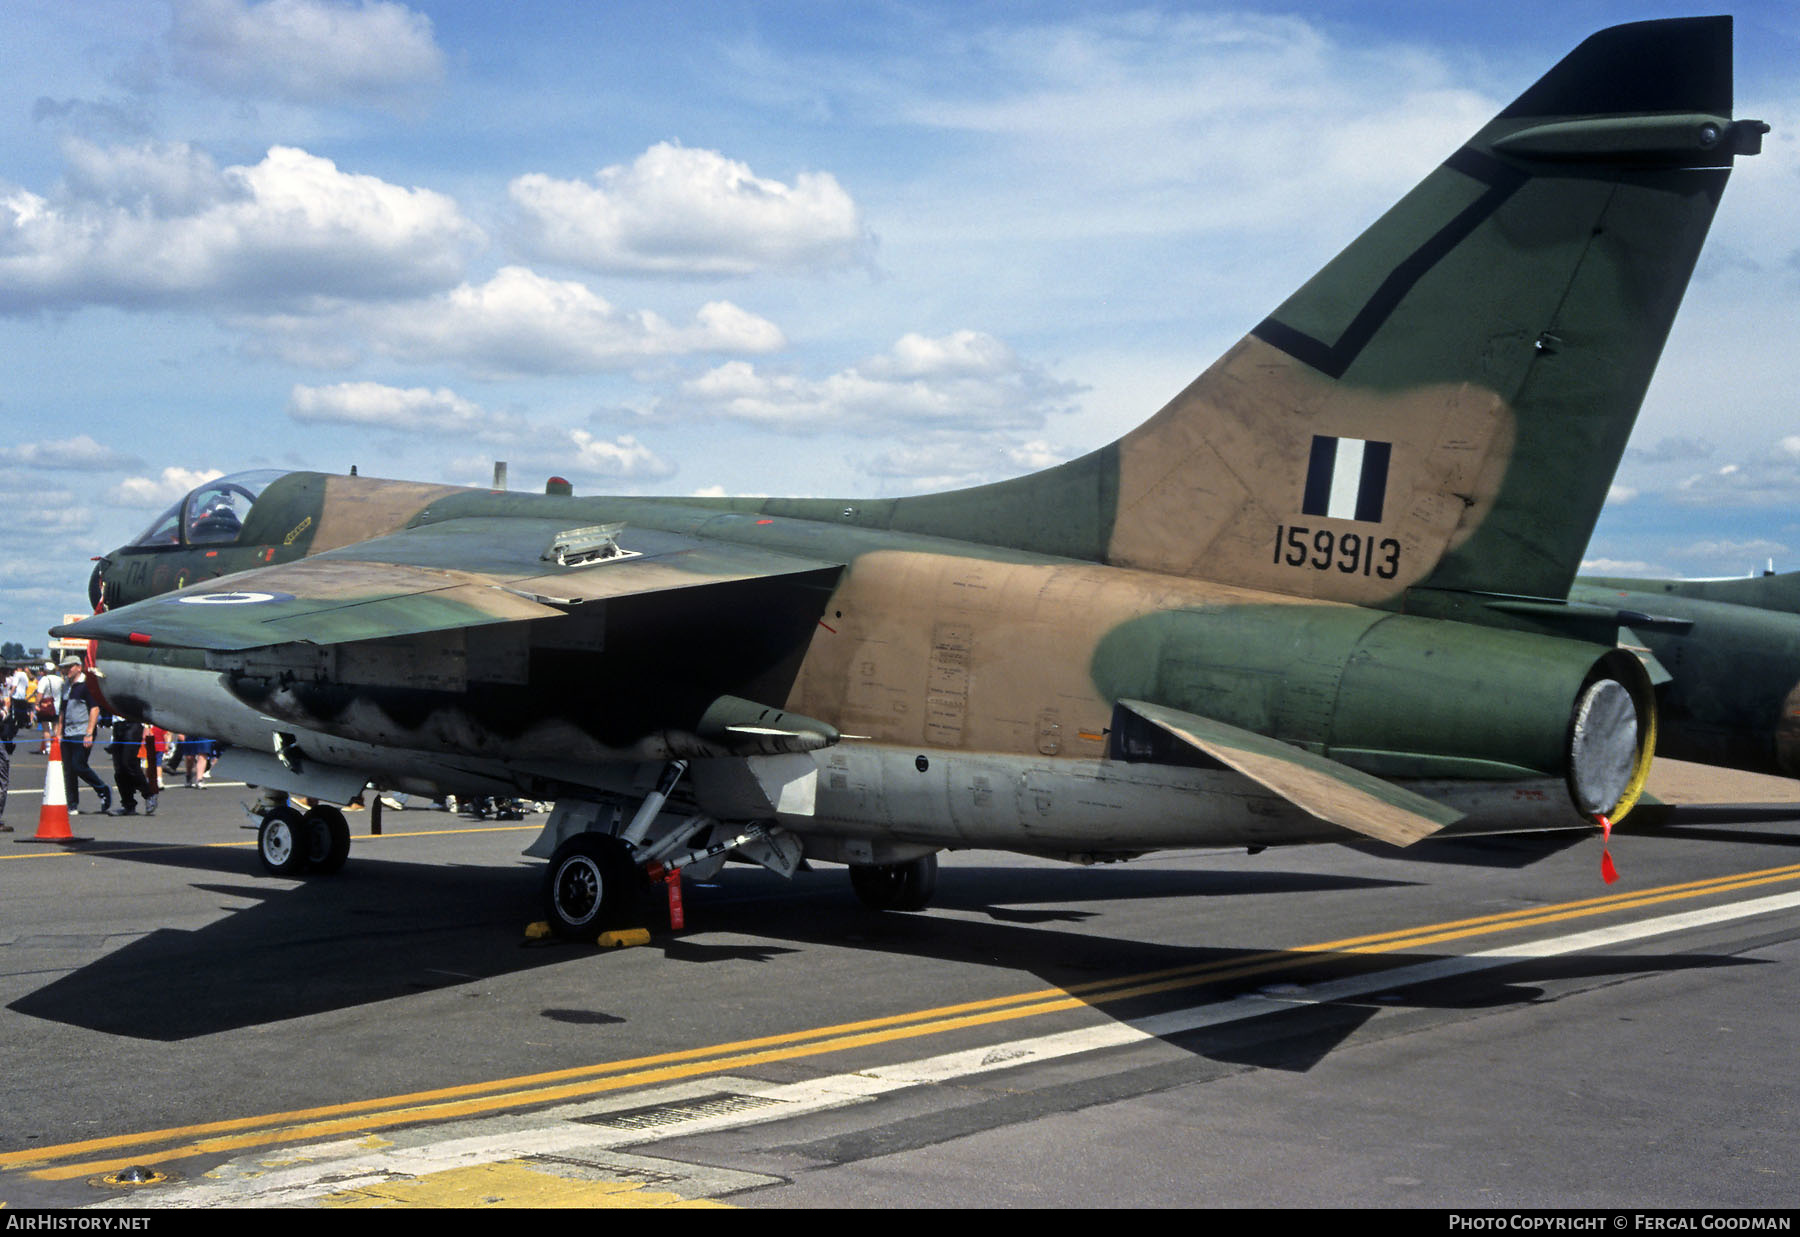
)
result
[(357, 508), (1212, 486), (947, 652)]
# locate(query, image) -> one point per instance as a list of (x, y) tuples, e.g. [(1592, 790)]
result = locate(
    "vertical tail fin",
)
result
[(1445, 403)]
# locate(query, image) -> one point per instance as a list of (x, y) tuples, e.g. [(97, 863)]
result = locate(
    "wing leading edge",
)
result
[(437, 577)]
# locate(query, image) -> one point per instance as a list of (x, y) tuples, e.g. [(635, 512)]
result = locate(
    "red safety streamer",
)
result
[(677, 919), (1608, 873)]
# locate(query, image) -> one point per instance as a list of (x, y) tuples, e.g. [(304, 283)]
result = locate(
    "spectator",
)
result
[(128, 768), (8, 728), (153, 758), (49, 705), (201, 753), (18, 694), (80, 725)]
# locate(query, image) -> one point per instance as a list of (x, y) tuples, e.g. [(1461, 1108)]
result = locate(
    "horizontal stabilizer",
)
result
[(437, 577), (1634, 644), (1322, 787)]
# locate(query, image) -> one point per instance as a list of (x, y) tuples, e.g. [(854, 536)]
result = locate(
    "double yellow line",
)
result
[(99, 1155)]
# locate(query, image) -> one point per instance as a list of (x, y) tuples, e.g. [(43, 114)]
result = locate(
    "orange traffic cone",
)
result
[(53, 816)]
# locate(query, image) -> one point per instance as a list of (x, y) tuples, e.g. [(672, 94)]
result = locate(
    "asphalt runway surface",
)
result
[(1475, 1023)]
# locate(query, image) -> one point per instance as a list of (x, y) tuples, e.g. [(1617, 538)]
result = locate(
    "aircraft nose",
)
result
[(96, 582)]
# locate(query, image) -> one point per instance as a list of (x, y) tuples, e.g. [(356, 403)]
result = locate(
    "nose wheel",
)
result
[(283, 841), (328, 839), (290, 843), (895, 886)]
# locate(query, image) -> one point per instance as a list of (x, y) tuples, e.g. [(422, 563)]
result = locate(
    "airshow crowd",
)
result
[(68, 701)]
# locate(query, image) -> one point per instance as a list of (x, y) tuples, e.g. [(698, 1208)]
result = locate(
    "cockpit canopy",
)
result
[(212, 514)]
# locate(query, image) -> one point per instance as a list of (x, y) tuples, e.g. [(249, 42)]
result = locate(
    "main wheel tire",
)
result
[(283, 842), (328, 839), (592, 886), (895, 886)]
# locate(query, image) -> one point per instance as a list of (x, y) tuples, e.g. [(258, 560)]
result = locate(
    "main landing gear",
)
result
[(599, 877), (895, 886), (592, 886), (294, 843), (601, 872)]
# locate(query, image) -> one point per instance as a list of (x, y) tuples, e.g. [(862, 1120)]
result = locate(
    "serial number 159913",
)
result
[(1323, 550)]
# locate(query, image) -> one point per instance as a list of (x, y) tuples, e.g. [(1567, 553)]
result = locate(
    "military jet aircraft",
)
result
[(1273, 613), (1725, 656)]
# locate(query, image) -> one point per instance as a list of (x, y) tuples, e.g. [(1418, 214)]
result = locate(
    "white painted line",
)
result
[(264, 1179), (18, 792)]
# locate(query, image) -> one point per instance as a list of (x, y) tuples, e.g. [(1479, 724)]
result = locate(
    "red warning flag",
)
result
[(677, 918)]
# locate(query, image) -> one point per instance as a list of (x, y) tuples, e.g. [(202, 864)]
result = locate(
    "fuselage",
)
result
[(976, 688)]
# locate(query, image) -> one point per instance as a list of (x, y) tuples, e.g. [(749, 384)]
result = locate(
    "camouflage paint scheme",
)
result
[(1323, 589), (1726, 654)]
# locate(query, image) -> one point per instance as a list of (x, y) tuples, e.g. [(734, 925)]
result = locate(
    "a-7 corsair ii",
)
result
[(1270, 614)]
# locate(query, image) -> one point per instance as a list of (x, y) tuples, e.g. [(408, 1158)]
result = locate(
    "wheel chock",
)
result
[(617, 939), (623, 938)]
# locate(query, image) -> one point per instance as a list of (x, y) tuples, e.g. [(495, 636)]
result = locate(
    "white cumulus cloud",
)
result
[(523, 322), (80, 454), (306, 51), (623, 456), (375, 405), (681, 211), (950, 461), (160, 490), (35, 512), (158, 225), (531, 444), (965, 380), (1771, 479), (1615, 567), (1752, 553)]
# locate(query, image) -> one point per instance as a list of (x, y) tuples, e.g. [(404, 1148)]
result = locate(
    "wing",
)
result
[(1316, 784), (456, 573)]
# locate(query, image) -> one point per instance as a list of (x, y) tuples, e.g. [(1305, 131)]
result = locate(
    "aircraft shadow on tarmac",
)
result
[(1701, 822), (1497, 850), (1294, 1039), (1521, 850), (383, 929), (386, 929)]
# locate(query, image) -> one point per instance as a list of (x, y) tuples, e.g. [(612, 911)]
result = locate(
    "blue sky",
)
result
[(781, 248)]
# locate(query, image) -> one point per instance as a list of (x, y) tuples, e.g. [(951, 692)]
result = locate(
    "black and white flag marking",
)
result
[(1347, 479)]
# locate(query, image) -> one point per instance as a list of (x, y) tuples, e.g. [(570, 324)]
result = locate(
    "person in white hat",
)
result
[(49, 701), (80, 723)]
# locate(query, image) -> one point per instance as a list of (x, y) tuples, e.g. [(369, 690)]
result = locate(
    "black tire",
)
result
[(592, 886), (895, 886), (328, 839), (283, 842)]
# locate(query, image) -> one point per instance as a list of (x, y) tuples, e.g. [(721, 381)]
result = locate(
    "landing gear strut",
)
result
[(599, 872)]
